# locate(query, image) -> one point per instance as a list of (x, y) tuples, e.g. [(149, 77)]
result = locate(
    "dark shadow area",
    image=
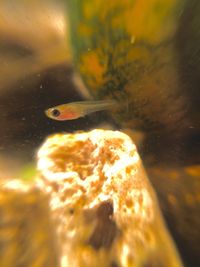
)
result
[(105, 230)]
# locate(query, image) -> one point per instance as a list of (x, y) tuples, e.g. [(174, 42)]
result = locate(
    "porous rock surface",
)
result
[(104, 207)]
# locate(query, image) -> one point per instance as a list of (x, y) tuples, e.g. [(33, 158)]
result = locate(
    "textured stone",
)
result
[(104, 207), (27, 234)]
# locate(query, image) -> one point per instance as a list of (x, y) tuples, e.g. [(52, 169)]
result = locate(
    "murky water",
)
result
[(37, 72)]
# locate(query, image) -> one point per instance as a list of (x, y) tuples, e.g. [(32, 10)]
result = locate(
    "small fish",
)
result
[(75, 110)]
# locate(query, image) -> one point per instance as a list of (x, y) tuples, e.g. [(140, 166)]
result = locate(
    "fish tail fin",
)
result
[(100, 105)]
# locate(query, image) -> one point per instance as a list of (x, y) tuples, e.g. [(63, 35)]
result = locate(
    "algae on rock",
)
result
[(104, 207)]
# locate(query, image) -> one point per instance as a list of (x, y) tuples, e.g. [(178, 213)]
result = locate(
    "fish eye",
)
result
[(55, 112)]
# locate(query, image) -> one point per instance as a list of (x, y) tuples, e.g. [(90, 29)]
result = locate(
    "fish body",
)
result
[(75, 110)]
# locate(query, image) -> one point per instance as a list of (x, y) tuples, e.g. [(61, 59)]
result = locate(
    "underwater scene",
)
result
[(100, 133)]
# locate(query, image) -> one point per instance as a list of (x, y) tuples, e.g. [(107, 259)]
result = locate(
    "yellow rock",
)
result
[(27, 234), (102, 202)]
